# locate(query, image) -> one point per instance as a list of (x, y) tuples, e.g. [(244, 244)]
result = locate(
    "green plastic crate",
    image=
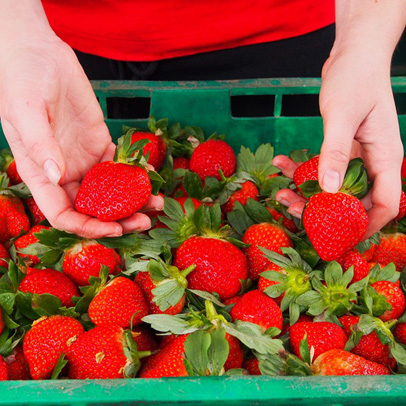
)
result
[(207, 104)]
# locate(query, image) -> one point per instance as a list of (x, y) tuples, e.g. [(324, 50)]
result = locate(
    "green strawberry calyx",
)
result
[(132, 354)]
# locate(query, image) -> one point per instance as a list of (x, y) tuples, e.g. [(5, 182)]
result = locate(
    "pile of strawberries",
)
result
[(226, 282)]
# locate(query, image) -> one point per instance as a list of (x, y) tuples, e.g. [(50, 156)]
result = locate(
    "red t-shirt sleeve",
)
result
[(159, 29)]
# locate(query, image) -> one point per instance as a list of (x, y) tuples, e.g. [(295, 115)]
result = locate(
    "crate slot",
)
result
[(300, 105), (252, 106), (128, 107)]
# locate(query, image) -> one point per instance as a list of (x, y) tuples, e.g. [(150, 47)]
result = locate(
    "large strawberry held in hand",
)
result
[(336, 222), (113, 190)]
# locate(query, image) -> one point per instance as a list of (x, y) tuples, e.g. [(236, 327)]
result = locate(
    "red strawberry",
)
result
[(251, 365), (211, 156), (18, 369), (392, 248), (402, 206), (144, 281), (1, 321), (26, 240), (354, 258), (100, 354), (322, 336), (340, 362), (4, 376), (369, 346), (48, 338), (256, 307), (347, 321), (403, 171), (156, 147), (400, 333), (335, 223), (306, 171), (286, 222), (36, 214), (247, 191), (4, 255), (181, 163), (167, 362), (369, 253), (220, 265), (232, 300), (13, 219), (51, 282), (235, 355), (286, 325), (264, 235), (13, 174), (112, 191), (145, 338), (85, 258), (123, 294), (394, 296)]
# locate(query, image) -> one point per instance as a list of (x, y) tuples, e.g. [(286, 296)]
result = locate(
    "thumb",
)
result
[(335, 152), (29, 132)]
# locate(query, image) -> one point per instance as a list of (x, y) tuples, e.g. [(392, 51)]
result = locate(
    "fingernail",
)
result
[(295, 213), (114, 235), (283, 202), (52, 171), (159, 204), (331, 181)]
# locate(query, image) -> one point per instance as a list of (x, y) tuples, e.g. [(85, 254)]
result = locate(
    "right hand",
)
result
[(56, 131)]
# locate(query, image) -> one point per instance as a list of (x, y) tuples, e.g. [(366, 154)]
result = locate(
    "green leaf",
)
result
[(304, 349), (23, 303), (165, 323), (399, 353), (167, 293), (196, 348), (7, 301), (46, 304), (193, 185), (173, 209), (308, 298), (218, 351), (310, 188), (60, 365), (333, 273), (250, 334), (157, 270), (207, 296), (11, 324)]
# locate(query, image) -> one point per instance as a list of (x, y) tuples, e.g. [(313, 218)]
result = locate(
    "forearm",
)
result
[(373, 26)]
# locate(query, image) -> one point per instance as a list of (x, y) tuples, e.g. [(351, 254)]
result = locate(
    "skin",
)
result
[(55, 127)]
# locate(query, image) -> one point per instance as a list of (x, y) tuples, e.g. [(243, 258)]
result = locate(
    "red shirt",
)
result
[(151, 30)]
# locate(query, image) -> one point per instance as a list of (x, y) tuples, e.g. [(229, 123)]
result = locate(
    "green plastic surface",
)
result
[(207, 104)]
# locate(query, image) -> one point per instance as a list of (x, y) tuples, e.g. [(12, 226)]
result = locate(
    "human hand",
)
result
[(56, 131), (360, 120)]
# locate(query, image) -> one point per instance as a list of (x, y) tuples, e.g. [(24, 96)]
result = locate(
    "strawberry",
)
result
[(156, 147), (232, 300), (52, 282), (13, 174), (403, 171), (26, 240), (113, 190), (340, 362), (235, 355), (101, 353), (251, 365), (168, 362), (392, 248), (258, 308), (144, 281), (369, 253), (48, 338), (33, 211), (4, 376), (308, 170), (286, 325), (13, 219), (85, 258), (145, 338), (335, 223), (394, 296), (321, 336), (248, 191), (266, 235), (354, 258), (400, 333), (1, 321), (402, 206), (181, 163), (18, 369), (220, 266), (369, 346), (212, 156), (263, 283), (347, 321), (4, 256), (120, 293)]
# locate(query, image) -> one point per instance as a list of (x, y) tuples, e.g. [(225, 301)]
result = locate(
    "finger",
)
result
[(286, 165), (109, 153), (385, 198), (287, 197), (154, 203), (136, 222), (27, 123), (335, 152), (296, 209)]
